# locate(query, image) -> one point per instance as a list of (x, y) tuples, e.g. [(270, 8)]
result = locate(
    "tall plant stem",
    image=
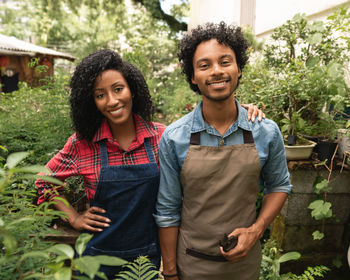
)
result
[(328, 180)]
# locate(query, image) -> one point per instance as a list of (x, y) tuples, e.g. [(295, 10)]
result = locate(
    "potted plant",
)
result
[(307, 69), (296, 147), (327, 143)]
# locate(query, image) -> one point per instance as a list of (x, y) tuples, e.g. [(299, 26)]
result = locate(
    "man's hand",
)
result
[(253, 111), (246, 240), (271, 206), (90, 221)]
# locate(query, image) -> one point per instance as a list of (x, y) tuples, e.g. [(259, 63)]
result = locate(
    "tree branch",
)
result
[(154, 7)]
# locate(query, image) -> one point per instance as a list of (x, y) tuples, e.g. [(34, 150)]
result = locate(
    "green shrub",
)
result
[(172, 96), (36, 119), (301, 77), (23, 225)]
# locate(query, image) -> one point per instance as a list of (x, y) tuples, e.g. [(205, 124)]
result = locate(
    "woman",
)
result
[(115, 150)]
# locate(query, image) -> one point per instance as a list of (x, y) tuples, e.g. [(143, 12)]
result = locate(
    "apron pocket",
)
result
[(200, 255)]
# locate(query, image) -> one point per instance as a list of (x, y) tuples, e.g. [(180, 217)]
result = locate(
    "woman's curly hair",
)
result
[(228, 35), (85, 116)]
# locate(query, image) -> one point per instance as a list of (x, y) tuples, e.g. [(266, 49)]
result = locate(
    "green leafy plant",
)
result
[(23, 226), (300, 78), (321, 209), (309, 274), (172, 96), (272, 259), (271, 264), (62, 263), (140, 269), (36, 120), (12, 173), (313, 74)]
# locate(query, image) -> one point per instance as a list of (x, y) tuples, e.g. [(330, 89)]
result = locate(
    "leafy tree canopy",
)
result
[(81, 27)]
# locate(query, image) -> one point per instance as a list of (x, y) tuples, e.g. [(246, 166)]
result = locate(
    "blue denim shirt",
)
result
[(175, 143)]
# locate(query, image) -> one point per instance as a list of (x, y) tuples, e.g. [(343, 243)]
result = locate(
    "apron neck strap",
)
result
[(149, 150), (247, 137), (195, 138), (103, 154)]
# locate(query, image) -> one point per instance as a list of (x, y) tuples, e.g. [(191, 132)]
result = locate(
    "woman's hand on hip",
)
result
[(91, 221)]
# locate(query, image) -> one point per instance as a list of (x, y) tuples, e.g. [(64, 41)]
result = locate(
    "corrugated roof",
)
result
[(14, 46)]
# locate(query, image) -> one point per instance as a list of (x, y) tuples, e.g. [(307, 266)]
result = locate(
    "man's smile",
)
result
[(218, 82)]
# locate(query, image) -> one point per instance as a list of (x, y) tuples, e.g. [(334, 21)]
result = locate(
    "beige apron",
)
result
[(219, 195)]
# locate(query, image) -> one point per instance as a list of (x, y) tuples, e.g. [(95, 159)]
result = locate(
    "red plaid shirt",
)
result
[(80, 157)]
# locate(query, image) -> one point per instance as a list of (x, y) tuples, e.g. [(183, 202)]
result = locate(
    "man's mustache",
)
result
[(219, 78)]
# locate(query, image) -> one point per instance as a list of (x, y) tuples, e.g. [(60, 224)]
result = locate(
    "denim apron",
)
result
[(219, 195), (128, 194)]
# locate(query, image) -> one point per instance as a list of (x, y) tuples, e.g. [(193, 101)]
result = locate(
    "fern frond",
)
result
[(126, 275), (150, 275), (310, 272), (139, 269)]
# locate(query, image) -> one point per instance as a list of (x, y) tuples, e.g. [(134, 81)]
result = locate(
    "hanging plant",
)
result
[(4, 60), (45, 61)]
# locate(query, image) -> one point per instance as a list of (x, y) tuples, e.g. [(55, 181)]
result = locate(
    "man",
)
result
[(210, 163)]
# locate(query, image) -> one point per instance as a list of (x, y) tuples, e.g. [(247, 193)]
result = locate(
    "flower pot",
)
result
[(315, 139), (292, 140), (298, 151), (326, 150), (344, 142)]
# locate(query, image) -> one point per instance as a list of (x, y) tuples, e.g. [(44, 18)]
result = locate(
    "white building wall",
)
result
[(203, 11), (248, 8), (262, 15), (273, 13)]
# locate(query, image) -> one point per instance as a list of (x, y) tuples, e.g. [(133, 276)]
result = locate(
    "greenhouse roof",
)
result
[(14, 46)]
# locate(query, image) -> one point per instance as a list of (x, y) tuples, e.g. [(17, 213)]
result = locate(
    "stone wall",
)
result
[(294, 226)]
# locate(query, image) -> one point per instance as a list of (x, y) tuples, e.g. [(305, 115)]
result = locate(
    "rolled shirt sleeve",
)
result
[(274, 173), (169, 201)]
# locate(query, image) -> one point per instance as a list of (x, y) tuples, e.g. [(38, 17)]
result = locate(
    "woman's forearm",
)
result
[(66, 208)]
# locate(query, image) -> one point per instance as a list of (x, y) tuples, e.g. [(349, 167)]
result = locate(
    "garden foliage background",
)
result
[(37, 120)]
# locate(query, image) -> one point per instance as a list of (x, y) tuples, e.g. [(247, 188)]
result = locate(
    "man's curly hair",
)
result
[(228, 35), (85, 116)]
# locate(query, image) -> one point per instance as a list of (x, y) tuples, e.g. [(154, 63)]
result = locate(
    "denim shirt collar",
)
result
[(199, 124)]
